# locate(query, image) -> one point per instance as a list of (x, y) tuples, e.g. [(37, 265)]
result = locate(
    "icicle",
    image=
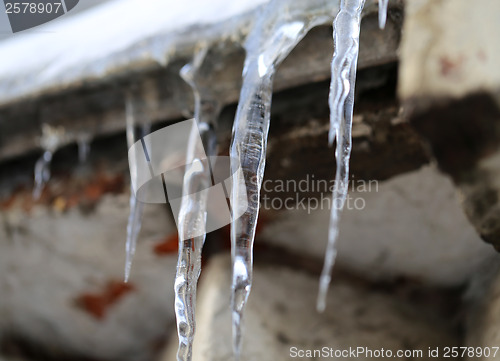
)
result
[(133, 229), (83, 142), (136, 208), (382, 13), (51, 139), (192, 214), (278, 30), (249, 146), (346, 27), (42, 173)]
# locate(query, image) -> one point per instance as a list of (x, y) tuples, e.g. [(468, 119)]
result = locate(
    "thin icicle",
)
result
[(133, 229), (346, 28), (193, 211), (42, 173), (83, 142), (136, 208), (51, 139), (278, 30), (382, 13)]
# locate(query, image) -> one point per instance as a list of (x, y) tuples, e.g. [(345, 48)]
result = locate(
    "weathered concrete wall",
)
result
[(281, 315), (450, 87)]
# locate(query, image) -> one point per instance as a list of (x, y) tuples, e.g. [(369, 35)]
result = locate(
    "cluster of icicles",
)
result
[(279, 28)]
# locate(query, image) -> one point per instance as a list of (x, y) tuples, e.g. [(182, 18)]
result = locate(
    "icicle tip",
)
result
[(331, 136), (322, 293)]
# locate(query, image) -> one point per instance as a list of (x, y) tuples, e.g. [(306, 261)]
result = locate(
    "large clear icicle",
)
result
[(346, 28), (192, 214), (382, 13), (52, 138), (136, 208), (279, 28)]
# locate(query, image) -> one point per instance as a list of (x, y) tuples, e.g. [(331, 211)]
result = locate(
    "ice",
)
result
[(382, 13), (83, 141), (279, 28), (136, 208), (50, 141), (193, 211), (84, 46), (346, 28), (133, 229), (42, 173)]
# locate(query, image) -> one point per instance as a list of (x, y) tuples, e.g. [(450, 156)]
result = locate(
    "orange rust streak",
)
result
[(94, 305), (74, 193), (117, 290), (450, 66), (98, 304), (168, 246), (97, 188)]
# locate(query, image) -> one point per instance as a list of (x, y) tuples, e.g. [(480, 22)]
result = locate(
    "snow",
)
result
[(84, 46)]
